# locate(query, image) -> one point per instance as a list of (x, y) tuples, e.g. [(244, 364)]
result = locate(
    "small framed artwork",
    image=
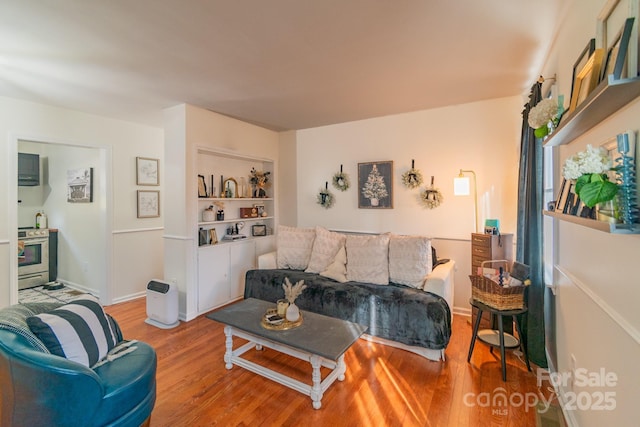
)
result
[(258, 230), (147, 171), (610, 20), (213, 236), (586, 79), (558, 206), (80, 185), (615, 61), (581, 62), (375, 185), (202, 186), (564, 195), (148, 204), (260, 211)]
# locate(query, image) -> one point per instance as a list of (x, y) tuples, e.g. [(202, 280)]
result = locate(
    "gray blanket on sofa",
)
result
[(395, 312)]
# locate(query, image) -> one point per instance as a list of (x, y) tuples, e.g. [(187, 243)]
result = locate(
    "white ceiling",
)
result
[(283, 64)]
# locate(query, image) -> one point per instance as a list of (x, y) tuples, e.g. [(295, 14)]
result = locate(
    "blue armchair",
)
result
[(41, 389)]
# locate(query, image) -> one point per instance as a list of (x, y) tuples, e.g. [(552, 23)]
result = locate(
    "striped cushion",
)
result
[(79, 331)]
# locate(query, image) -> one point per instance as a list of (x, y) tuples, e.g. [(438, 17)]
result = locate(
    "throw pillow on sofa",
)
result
[(294, 247), (409, 260), (368, 258), (79, 331), (325, 247), (337, 270)]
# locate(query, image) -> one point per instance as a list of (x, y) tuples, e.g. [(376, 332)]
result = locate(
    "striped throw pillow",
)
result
[(79, 331)]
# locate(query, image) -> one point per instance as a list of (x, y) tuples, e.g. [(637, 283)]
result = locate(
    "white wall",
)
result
[(482, 136), (598, 322), (119, 142)]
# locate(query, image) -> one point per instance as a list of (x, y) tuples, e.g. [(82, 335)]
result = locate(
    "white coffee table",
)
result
[(320, 340)]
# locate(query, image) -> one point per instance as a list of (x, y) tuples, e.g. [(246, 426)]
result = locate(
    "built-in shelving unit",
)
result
[(607, 227), (222, 265), (604, 101)]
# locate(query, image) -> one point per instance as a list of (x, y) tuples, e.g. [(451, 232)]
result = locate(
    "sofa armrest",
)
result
[(267, 261), (440, 281)]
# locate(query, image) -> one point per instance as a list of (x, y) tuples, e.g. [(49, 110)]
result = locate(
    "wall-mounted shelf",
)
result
[(605, 100), (596, 225), (235, 199)]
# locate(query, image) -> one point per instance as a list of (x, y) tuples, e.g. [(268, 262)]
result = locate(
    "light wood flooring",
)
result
[(384, 386)]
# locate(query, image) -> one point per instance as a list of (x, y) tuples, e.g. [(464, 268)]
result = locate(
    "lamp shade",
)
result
[(461, 186)]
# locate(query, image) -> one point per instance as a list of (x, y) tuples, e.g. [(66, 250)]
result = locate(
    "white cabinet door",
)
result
[(213, 276), (242, 259)]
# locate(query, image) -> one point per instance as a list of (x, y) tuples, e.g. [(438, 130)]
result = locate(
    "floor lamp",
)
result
[(461, 187)]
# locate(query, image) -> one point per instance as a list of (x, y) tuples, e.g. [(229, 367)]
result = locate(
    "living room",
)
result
[(596, 297)]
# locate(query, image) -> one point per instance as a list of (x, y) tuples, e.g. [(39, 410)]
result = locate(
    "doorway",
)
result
[(83, 225)]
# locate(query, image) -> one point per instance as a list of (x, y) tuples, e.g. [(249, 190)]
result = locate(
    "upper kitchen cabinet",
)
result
[(28, 169)]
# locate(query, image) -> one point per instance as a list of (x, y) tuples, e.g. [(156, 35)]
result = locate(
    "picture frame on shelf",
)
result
[(148, 204), (258, 230), (559, 206), (213, 236), (579, 64), (564, 195), (610, 19), (587, 79), (202, 187), (615, 60), (147, 172), (260, 209), (375, 185)]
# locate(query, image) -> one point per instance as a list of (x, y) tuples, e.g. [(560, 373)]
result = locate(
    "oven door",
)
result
[(34, 258)]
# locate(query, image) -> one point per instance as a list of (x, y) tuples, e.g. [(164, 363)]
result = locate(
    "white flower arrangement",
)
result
[(544, 112), (412, 178), (589, 169), (291, 292), (591, 160)]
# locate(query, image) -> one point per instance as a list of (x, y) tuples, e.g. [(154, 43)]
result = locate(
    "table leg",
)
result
[(502, 352), (228, 332), (342, 368), (523, 346), (475, 334), (316, 391)]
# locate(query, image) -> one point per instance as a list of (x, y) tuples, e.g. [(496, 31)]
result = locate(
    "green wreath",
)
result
[(341, 180)]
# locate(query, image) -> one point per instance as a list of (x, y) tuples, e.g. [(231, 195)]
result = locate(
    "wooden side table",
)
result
[(498, 338)]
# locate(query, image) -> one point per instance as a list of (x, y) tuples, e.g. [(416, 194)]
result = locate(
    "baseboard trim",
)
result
[(462, 311)]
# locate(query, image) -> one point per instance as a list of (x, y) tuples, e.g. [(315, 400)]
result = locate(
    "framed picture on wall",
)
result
[(80, 185), (375, 185), (148, 204), (147, 171)]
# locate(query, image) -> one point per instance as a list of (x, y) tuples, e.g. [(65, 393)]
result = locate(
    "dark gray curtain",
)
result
[(529, 231)]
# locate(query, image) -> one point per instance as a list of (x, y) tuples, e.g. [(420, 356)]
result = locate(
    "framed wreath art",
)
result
[(325, 198), (413, 177), (341, 180)]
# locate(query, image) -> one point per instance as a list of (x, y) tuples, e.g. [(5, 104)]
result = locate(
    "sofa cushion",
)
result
[(368, 258), (325, 247), (294, 247), (409, 260), (79, 331), (337, 270)]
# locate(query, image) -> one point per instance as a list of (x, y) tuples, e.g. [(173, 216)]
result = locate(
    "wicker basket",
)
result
[(495, 296)]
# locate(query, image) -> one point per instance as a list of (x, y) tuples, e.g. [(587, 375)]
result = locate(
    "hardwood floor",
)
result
[(384, 386)]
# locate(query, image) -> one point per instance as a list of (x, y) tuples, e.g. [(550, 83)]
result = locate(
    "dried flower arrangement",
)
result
[(259, 178), (291, 292)]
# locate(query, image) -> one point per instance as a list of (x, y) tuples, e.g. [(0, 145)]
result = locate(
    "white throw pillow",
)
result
[(325, 247), (337, 270), (409, 260), (294, 246), (368, 258)]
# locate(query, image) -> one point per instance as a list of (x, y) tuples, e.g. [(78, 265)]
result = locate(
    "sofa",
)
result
[(392, 284), (39, 387)]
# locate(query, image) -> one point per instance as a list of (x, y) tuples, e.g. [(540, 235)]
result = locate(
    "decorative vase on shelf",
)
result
[(293, 313)]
